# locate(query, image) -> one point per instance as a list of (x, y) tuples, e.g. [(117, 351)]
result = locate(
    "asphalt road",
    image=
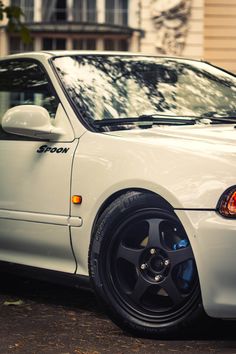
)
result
[(37, 317)]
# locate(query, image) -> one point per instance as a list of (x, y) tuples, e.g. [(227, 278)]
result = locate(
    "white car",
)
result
[(120, 168)]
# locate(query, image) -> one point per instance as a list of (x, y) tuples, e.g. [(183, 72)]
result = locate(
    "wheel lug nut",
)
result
[(167, 262), (152, 251), (158, 277), (144, 266)]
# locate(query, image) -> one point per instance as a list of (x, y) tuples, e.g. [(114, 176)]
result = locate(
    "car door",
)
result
[(35, 176)]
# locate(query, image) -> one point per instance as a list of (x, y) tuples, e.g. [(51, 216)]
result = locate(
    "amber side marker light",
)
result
[(76, 199), (227, 204)]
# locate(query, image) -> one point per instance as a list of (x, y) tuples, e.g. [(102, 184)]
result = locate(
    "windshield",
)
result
[(115, 87)]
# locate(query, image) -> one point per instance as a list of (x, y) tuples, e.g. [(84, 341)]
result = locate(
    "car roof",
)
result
[(58, 53)]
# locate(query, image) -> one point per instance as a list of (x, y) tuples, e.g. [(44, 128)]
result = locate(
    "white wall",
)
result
[(3, 36), (195, 36), (220, 33)]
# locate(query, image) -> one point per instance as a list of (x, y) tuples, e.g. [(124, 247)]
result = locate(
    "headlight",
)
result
[(227, 203)]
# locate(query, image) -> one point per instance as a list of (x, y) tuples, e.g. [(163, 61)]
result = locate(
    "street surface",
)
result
[(40, 318)]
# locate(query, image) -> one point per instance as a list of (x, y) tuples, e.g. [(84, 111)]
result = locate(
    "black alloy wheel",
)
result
[(143, 268)]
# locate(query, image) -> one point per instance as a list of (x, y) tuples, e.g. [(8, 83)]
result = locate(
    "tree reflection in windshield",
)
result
[(104, 86)]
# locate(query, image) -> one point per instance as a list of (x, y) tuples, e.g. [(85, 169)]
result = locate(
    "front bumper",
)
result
[(213, 240)]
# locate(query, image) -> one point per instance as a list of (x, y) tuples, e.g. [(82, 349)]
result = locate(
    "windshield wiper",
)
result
[(147, 121), (228, 118)]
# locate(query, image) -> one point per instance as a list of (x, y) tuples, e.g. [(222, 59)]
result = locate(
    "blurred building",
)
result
[(76, 24), (193, 28)]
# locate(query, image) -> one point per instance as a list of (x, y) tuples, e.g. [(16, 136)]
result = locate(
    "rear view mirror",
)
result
[(31, 121)]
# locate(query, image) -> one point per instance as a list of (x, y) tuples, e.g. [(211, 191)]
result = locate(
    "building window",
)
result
[(54, 43), (54, 10), (27, 6), (84, 10), (17, 46), (117, 12), (84, 44), (116, 44)]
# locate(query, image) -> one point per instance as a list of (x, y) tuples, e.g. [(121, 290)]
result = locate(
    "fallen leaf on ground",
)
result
[(13, 303)]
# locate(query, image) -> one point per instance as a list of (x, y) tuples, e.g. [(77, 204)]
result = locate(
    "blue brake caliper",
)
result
[(186, 269)]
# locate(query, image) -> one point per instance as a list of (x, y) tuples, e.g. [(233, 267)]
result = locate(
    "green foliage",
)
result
[(14, 24)]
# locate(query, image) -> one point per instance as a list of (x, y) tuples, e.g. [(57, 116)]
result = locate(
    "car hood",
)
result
[(189, 166), (218, 134), (187, 160)]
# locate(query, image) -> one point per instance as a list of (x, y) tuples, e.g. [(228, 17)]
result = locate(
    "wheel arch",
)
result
[(163, 203)]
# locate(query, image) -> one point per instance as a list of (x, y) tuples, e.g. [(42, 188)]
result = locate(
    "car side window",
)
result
[(24, 82)]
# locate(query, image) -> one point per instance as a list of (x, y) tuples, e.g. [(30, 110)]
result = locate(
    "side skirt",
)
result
[(51, 276)]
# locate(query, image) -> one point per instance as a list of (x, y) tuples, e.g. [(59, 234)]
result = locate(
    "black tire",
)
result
[(142, 267)]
